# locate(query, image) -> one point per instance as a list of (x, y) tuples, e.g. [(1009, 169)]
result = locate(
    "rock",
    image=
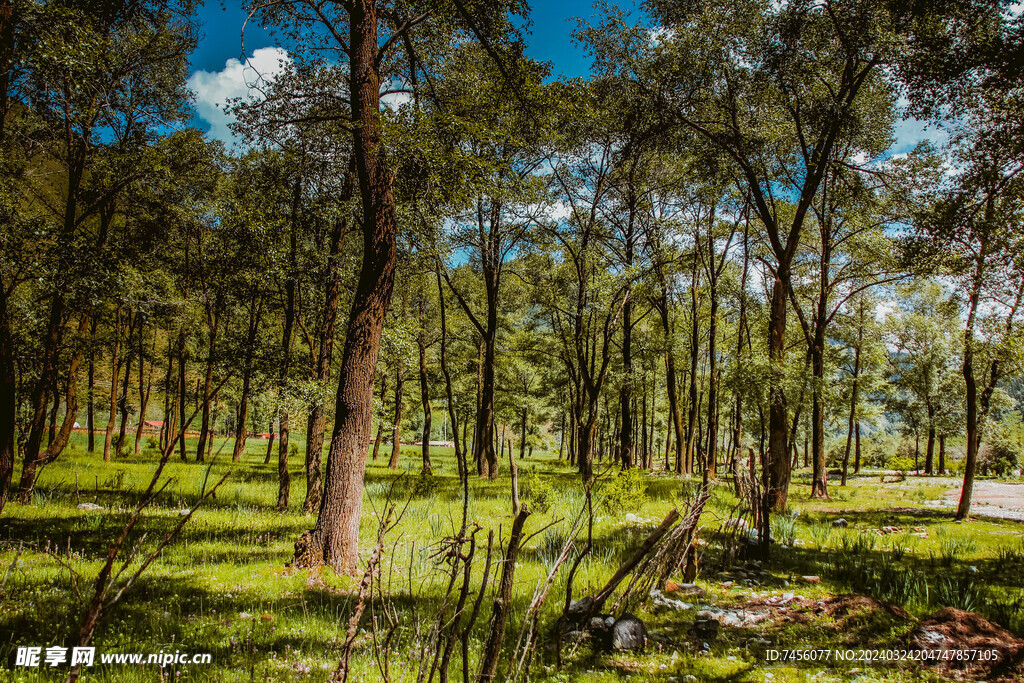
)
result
[(841, 523), (578, 608), (706, 628), (184, 513), (679, 589), (736, 523), (244, 615), (89, 506), (727, 585), (573, 637), (629, 633), (811, 579), (658, 637)]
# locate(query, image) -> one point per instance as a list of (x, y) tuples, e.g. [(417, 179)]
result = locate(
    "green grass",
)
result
[(223, 586)]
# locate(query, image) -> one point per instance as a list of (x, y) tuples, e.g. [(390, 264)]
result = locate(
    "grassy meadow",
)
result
[(223, 586)]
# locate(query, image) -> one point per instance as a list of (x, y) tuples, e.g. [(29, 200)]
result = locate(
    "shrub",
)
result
[(627, 492), (536, 490), (1001, 455), (901, 464)]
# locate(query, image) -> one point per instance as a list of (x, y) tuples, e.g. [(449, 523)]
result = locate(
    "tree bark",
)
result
[(778, 427), (8, 396), (318, 416), (335, 538), (115, 368), (242, 431), (421, 342), (396, 434)]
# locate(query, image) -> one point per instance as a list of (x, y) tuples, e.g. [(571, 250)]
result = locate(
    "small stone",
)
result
[(92, 507), (244, 615), (811, 579), (841, 523)]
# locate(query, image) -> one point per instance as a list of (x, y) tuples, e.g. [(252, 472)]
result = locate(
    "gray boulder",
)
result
[(629, 633)]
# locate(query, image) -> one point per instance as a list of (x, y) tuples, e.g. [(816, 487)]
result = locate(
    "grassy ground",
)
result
[(223, 586)]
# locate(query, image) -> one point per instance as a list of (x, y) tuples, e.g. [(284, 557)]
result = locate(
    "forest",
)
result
[(452, 365)]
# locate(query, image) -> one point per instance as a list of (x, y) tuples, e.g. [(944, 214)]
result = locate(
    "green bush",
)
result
[(1001, 455), (901, 463), (627, 492), (536, 491)]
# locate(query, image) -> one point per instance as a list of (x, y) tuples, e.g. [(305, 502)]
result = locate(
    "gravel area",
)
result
[(992, 499)]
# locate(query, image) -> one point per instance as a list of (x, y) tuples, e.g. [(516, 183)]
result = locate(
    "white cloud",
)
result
[(214, 88)]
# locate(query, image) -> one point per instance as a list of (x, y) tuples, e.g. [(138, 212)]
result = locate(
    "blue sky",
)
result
[(220, 71)]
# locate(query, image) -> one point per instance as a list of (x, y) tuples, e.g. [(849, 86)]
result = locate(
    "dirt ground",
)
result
[(992, 499)]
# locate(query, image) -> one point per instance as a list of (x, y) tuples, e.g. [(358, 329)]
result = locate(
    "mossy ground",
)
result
[(223, 586)]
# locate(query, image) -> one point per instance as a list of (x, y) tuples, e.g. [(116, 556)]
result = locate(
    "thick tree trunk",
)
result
[(778, 427), (335, 539), (483, 443)]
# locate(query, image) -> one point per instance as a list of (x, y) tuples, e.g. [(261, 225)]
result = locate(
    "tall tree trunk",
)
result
[(241, 431), (691, 419), (460, 452), (270, 443), (90, 411), (30, 465), (396, 434), (942, 453), (335, 539), (284, 420), (710, 469), (115, 367), (145, 386), (929, 461), (318, 415), (854, 392), (213, 321), (122, 432), (777, 492), (421, 341), (856, 441), (8, 395), (819, 473), (182, 394)]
